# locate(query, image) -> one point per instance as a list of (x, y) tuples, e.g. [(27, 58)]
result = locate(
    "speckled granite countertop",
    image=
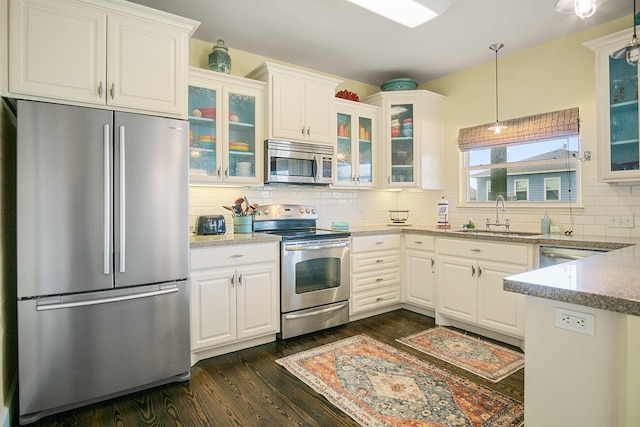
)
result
[(607, 281), (230, 239)]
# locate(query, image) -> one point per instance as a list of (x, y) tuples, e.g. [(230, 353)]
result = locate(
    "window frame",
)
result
[(559, 189), (561, 205), (515, 189)]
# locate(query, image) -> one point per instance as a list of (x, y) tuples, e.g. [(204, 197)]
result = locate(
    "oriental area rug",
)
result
[(379, 385), (485, 359)]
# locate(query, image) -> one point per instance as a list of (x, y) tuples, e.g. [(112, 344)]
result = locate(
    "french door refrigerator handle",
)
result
[(106, 139), (122, 201), (63, 305)]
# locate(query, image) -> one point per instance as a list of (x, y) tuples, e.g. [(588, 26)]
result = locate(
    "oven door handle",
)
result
[(316, 313), (294, 247)]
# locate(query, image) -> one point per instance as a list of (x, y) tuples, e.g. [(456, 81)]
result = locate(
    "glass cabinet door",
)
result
[(402, 146), (365, 151), (242, 137), (623, 116), (344, 157), (204, 159)]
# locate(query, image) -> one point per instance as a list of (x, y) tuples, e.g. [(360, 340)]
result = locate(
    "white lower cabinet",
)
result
[(375, 273), (235, 297), (420, 270), (470, 287)]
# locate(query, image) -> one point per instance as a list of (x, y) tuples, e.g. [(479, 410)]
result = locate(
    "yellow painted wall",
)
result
[(549, 77), (243, 62)]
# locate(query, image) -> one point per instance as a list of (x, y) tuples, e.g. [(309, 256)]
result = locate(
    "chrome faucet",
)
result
[(504, 209)]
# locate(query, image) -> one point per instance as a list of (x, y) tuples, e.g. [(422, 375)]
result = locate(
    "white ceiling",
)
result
[(339, 38)]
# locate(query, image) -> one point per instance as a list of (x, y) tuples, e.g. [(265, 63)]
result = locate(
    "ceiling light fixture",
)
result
[(582, 8), (498, 127), (630, 52), (410, 13)]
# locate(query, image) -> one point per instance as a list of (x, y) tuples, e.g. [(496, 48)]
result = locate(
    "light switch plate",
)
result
[(621, 221)]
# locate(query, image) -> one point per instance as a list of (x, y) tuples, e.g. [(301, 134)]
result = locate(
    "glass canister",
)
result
[(219, 59)]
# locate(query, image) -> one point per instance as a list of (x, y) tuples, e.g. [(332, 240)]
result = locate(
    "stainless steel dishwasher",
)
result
[(553, 255)]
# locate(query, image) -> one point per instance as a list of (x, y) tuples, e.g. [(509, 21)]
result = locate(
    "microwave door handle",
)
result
[(316, 168)]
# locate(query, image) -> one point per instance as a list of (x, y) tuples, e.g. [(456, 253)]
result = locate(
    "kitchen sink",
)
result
[(497, 232)]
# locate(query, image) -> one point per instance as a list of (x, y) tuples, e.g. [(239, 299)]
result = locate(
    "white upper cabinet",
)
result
[(99, 53), (412, 132), (301, 104), (356, 144), (618, 152)]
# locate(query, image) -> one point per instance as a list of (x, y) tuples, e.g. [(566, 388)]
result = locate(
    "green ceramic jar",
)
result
[(219, 59)]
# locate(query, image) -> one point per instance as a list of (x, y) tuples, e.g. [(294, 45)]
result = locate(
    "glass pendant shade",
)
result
[(633, 52), (584, 8), (497, 128)]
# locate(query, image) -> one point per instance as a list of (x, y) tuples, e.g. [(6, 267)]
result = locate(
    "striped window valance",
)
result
[(557, 124)]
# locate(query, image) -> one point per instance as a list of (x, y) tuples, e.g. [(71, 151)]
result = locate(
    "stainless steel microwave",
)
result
[(298, 163)]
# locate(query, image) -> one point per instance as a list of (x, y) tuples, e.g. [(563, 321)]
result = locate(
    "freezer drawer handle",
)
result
[(106, 300), (315, 313)]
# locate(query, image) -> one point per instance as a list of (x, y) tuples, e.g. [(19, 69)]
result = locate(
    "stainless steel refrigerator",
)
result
[(102, 242)]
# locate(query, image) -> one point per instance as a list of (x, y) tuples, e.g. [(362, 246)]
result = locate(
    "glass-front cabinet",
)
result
[(412, 129), (356, 144), (225, 129), (618, 152)]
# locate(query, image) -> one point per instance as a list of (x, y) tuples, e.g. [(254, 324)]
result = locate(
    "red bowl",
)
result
[(208, 113)]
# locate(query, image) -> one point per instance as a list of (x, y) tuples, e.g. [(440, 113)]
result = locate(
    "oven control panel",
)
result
[(278, 212)]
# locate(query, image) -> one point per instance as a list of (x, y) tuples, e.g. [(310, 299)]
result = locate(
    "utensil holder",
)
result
[(243, 224)]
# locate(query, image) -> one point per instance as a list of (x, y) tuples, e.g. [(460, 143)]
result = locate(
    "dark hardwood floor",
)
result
[(247, 388)]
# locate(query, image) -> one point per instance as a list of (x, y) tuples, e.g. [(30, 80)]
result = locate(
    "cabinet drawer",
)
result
[(475, 249), (365, 282), (376, 299), (375, 261), (375, 243), (234, 255), (420, 242)]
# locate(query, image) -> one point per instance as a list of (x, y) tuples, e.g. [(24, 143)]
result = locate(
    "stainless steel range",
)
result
[(314, 264)]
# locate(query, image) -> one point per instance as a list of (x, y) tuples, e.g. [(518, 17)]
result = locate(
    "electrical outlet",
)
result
[(621, 221), (576, 321)]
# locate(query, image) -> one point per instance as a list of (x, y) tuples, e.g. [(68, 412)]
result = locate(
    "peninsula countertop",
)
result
[(608, 281)]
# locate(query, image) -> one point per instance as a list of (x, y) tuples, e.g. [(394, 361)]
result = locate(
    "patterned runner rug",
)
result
[(379, 385), (482, 358)]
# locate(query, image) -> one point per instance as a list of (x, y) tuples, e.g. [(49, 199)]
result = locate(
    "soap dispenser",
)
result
[(545, 224)]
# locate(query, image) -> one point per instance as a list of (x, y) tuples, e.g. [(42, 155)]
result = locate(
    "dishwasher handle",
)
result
[(560, 256)]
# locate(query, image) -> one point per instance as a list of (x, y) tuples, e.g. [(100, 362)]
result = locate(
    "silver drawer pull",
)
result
[(379, 279), (476, 250), (379, 299), (378, 261), (237, 256), (379, 243)]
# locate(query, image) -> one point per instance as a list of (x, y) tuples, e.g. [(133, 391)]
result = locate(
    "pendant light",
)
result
[(584, 8), (498, 127), (631, 51)]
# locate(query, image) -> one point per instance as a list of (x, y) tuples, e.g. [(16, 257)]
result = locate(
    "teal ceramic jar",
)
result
[(219, 59)]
